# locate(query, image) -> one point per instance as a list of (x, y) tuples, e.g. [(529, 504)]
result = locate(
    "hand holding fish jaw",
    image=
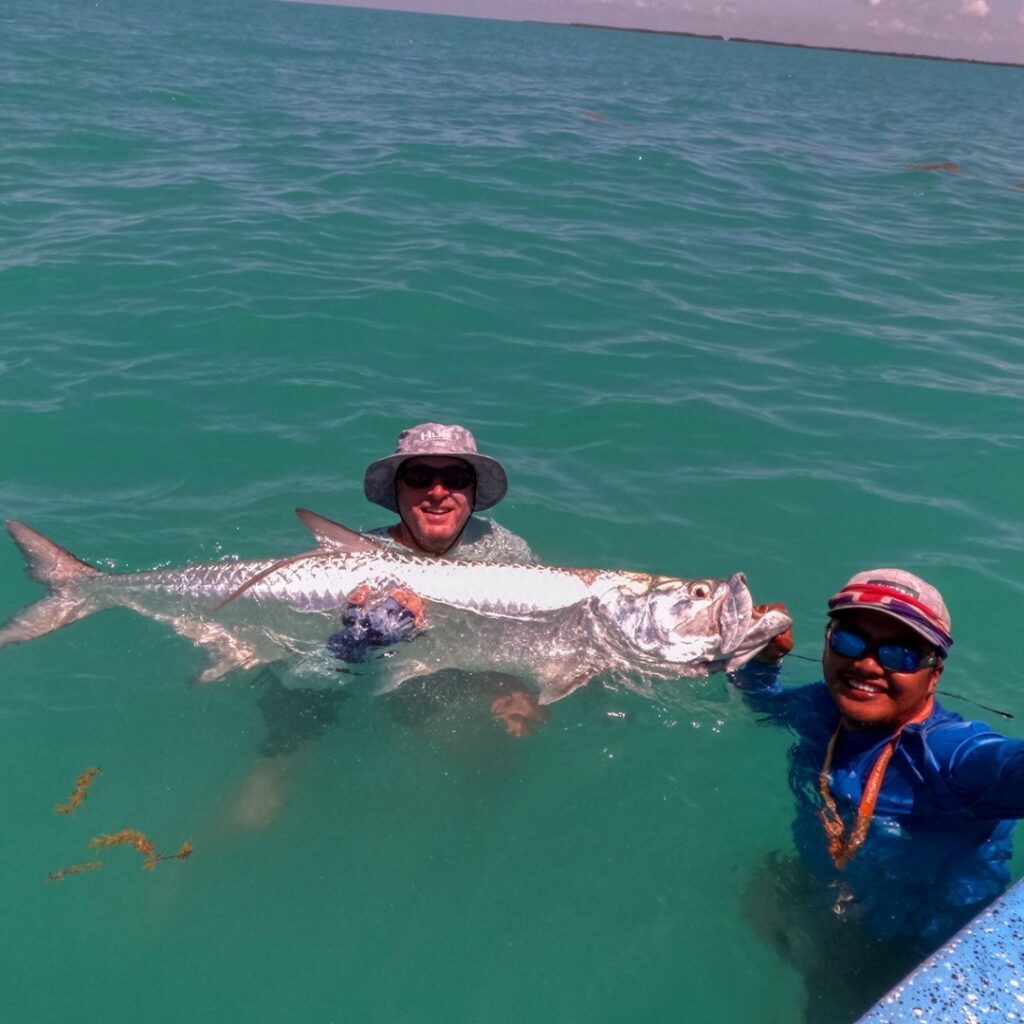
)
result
[(520, 713), (779, 646)]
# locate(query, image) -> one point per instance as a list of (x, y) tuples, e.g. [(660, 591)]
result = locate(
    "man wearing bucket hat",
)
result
[(904, 810), (436, 481)]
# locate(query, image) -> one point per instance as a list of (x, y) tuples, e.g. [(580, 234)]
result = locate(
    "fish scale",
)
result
[(471, 586)]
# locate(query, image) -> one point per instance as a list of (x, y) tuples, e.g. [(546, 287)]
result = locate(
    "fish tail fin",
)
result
[(46, 562), (56, 568)]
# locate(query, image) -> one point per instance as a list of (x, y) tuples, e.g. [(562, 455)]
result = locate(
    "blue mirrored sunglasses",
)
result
[(895, 657)]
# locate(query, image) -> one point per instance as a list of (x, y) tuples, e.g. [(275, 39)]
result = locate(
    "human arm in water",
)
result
[(985, 768), (762, 691)]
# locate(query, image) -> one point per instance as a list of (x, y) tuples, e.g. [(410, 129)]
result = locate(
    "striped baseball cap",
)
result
[(901, 595)]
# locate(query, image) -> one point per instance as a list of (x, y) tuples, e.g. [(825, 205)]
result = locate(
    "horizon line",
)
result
[(775, 42)]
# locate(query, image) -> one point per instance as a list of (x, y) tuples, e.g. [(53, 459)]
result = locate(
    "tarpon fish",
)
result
[(559, 627)]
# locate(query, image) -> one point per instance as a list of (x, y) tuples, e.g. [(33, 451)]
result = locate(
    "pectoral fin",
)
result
[(227, 651), (224, 662), (555, 689), (393, 674)]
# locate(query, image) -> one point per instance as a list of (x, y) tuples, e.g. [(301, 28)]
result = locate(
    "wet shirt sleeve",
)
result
[(987, 770), (800, 709)]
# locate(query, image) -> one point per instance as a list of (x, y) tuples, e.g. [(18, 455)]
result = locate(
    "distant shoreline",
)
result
[(773, 42)]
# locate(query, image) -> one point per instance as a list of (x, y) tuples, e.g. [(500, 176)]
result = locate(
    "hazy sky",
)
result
[(980, 29)]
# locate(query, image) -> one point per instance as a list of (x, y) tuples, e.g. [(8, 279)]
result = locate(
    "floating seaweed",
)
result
[(132, 837), (73, 869), (153, 859), (126, 837), (83, 783), (950, 168)]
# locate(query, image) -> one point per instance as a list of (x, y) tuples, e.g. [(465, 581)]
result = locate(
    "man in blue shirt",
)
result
[(904, 810)]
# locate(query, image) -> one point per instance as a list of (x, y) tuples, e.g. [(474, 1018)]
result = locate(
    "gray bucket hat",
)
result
[(436, 439)]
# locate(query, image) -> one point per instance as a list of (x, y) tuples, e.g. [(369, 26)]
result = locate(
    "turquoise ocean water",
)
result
[(686, 290)]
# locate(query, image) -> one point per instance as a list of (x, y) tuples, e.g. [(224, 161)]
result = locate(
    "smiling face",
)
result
[(434, 514), (868, 695)]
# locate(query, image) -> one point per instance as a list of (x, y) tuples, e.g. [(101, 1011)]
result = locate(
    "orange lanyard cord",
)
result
[(840, 848)]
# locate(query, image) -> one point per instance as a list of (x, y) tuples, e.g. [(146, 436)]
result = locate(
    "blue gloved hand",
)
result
[(363, 628)]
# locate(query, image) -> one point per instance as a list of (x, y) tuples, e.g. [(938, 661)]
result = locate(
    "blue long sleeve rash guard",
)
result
[(940, 838)]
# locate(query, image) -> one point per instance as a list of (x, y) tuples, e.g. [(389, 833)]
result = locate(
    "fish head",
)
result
[(706, 624)]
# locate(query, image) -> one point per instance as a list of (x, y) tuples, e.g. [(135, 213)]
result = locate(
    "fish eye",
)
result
[(700, 588)]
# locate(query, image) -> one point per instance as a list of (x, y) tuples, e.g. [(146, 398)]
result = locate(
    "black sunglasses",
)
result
[(453, 478), (896, 657)]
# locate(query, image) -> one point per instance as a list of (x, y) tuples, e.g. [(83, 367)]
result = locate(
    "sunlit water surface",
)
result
[(691, 295)]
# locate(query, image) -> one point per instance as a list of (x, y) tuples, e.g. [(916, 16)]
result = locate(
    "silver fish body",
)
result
[(559, 627)]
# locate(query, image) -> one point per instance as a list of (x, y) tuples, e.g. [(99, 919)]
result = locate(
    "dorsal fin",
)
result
[(336, 537)]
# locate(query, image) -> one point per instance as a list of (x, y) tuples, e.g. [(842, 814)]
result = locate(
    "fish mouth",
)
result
[(735, 614)]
